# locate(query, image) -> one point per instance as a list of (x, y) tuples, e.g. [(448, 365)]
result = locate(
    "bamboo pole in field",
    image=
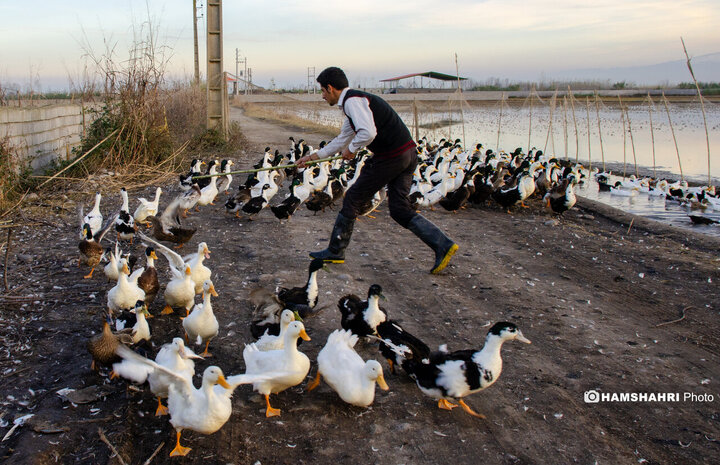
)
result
[(652, 133), (577, 140), (269, 168), (597, 114), (565, 129), (450, 120), (532, 90), (502, 104), (632, 141), (462, 110), (622, 113), (415, 119), (553, 102), (702, 107), (672, 130), (587, 112)]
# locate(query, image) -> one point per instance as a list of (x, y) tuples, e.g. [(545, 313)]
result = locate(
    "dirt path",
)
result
[(594, 295)]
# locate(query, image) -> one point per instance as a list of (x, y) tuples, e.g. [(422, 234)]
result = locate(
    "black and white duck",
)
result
[(298, 194), (307, 294), (562, 197), (91, 251), (125, 224), (362, 316), (186, 180), (94, 217), (257, 202), (320, 200), (225, 181), (398, 346), (234, 203), (454, 375)]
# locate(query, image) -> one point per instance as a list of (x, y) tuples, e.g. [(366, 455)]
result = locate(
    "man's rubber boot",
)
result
[(339, 240), (431, 235)]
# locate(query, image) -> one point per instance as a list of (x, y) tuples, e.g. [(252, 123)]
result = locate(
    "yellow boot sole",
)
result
[(446, 259)]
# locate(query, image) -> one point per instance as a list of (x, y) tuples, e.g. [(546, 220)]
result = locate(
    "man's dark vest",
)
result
[(393, 137)]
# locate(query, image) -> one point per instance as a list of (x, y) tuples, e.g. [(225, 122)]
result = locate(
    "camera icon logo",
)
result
[(591, 397)]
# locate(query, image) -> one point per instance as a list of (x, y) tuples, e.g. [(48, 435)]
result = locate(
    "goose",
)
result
[(345, 371), (94, 218), (91, 251), (203, 410), (125, 224), (200, 272), (126, 292), (285, 368), (173, 356), (168, 226), (362, 317), (450, 376), (180, 290), (147, 208), (225, 181), (202, 325)]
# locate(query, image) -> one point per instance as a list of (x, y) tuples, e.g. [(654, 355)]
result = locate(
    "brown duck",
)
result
[(148, 280), (168, 228), (104, 347), (91, 251)]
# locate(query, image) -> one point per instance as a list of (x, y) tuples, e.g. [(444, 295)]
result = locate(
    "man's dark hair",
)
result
[(333, 76)]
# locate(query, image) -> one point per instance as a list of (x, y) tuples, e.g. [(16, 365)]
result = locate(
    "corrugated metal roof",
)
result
[(430, 74)]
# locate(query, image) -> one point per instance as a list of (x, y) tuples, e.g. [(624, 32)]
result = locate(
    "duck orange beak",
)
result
[(381, 382), (212, 291), (223, 383), (304, 335), (153, 256)]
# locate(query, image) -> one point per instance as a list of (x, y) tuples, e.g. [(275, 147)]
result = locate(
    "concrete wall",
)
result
[(42, 134)]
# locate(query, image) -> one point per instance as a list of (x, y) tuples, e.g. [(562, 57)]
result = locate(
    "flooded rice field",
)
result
[(621, 140)]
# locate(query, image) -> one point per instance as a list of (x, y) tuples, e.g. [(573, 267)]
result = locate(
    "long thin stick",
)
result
[(147, 462), (672, 130), (79, 158), (462, 111), (652, 132), (553, 102), (532, 91), (565, 131), (622, 113), (502, 104), (7, 253), (597, 114), (577, 140), (112, 448), (587, 112), (674, 321), (632, 141), (702, 106), (269, 168)]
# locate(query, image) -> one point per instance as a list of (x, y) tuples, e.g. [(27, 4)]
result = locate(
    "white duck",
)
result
[(204, 410), (180, 291), (225, 181), (200, 272), (209, 192), (345, 371), (141, 329), (202, 325), (126, 293), (269, 342), (285, 368), (147, 208), (174, 356), (94, 218)]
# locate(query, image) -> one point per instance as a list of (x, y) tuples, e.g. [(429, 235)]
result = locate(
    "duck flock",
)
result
[(447, 174)]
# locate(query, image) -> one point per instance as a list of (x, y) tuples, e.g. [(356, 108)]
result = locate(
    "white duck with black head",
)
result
[(362, 317), (125, 223)]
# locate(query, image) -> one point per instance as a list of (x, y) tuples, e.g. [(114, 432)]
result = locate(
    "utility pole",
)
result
[(237, 62), (195, 37), (311, 79), (248, 82), (216, 83)]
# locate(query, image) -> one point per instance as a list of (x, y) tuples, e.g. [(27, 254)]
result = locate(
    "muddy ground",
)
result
[(609, 305)]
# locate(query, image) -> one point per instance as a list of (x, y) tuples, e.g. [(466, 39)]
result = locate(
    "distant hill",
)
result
[(706, 68)]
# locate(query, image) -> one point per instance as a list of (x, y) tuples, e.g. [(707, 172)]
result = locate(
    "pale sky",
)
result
[(370, 39)]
